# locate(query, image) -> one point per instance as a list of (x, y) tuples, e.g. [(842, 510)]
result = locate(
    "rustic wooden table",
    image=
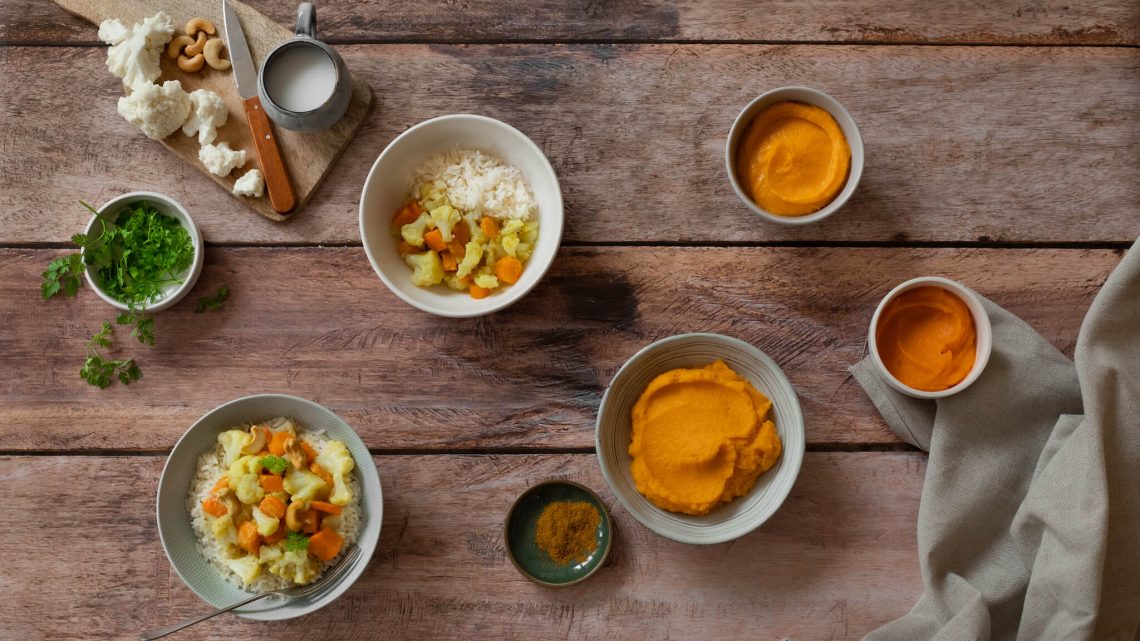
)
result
[(1001, 144)]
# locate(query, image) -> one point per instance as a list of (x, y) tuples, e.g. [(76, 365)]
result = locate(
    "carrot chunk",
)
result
[(489, 227), (277, 535), (248, 538), (214, 507), (325, 544), (405, 249), (320, 471), (222, 482), (309, 451), (508, 269), (310, 521), (327, 508), (434, 240), (406, 215), (449, 262), (277, 443), (271, 483), (273, 506), (477, 291)]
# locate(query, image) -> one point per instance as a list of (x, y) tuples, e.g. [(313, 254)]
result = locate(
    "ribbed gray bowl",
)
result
[(729, 520), (177, 534)]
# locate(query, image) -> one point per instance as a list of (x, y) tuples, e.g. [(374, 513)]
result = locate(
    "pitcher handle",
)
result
[(306, 20)]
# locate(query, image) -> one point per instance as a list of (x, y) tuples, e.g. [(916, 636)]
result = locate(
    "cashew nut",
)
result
[(260, 435), (177, 44), (230, 500), (293, 516), (197, 47), (199, 24), (213, 53), (295, 453), (190, 65)]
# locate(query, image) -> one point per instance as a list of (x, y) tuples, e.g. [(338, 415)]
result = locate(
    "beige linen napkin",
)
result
[(1029, 525)]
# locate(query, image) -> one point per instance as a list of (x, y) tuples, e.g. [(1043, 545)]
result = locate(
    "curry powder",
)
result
[(567, 531)]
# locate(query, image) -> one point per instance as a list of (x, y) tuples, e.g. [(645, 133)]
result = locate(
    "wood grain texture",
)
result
[(318, 323), (837, 560), (308, 156), (1112, 22), (962, 143)]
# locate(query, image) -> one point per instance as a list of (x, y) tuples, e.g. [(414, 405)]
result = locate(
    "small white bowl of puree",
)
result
[(930, 337), (794, 155)]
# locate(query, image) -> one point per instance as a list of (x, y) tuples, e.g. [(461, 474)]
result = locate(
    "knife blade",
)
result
[(264, 140)]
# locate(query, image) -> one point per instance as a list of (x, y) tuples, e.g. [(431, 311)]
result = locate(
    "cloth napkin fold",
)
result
[(1029, 524)]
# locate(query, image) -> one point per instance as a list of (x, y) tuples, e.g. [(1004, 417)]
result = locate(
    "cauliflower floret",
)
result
[(454, 282), (529, 232), (282, 424), (337, 461), (270, 553), (243, 480), (428, 268), (251, 184), (247, 567), (474, 253), (135, 52), (232, 443), (223, 529), (413, 232), (266, 525), (219, 159), (295, 565), (207, 113), (157, 110), (511, 227), (488, 281), (510, 243), (303, 485), (524, 251), (445, 218)]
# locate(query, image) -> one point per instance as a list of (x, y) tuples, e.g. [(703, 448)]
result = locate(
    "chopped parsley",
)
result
[(275, 464), (296, 541)]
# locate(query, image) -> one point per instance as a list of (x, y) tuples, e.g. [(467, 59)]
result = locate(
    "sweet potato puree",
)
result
[(926, 338), (792, 159), (700, 437)]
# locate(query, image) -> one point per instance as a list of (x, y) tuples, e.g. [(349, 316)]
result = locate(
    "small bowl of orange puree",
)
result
[(930, 337), (794, 155)]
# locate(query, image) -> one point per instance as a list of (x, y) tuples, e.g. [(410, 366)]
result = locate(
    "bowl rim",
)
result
[(187, 222), (843, 119), (795, 409), (341, 586), (605, 512), (509, 296), (983, 341)]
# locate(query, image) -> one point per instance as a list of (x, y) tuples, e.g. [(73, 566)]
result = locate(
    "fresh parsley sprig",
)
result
[(275, 464), (211, 303), (295, 541), (102, 372), (144, 325)]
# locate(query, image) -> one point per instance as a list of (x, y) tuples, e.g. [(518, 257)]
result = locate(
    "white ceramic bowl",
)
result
[(730, 520), (982, 328), (179, 541), (387, 186), (170, 207), (811, 97)]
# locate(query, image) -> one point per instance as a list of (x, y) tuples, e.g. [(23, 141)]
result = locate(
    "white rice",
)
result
[(477, 182), (210, 470)]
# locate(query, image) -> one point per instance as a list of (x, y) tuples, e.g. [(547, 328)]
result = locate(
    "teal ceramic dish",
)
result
[(519, 532), (177, 534)]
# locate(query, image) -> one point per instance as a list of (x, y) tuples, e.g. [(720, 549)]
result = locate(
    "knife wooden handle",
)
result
[(269, 156)]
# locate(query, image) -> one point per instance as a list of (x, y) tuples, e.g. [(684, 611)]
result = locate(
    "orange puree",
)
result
[(926, 338), (700, 437), (793, 159)]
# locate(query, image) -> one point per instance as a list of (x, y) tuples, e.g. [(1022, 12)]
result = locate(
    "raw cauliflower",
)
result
[(207, 113), (135, 52), (219, 159), (251, 184), (157, 110)]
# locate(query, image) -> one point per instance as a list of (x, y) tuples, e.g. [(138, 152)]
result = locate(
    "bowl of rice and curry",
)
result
[(268, 493), (461, 215), (700, 437)]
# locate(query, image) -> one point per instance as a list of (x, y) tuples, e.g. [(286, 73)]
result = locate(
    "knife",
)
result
[(264, 141)]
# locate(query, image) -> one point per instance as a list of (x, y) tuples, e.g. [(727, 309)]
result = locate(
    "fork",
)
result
[(332, 575)]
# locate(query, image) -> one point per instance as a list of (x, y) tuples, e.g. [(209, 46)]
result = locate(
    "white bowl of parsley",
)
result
[(142, 252)]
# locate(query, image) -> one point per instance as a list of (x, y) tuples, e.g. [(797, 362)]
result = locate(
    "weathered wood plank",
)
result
[(319, 324), (837, 560), (911, 21), (963, 143)]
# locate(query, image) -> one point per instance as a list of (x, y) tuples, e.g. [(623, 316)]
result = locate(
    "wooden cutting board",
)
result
[(307, 156)]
